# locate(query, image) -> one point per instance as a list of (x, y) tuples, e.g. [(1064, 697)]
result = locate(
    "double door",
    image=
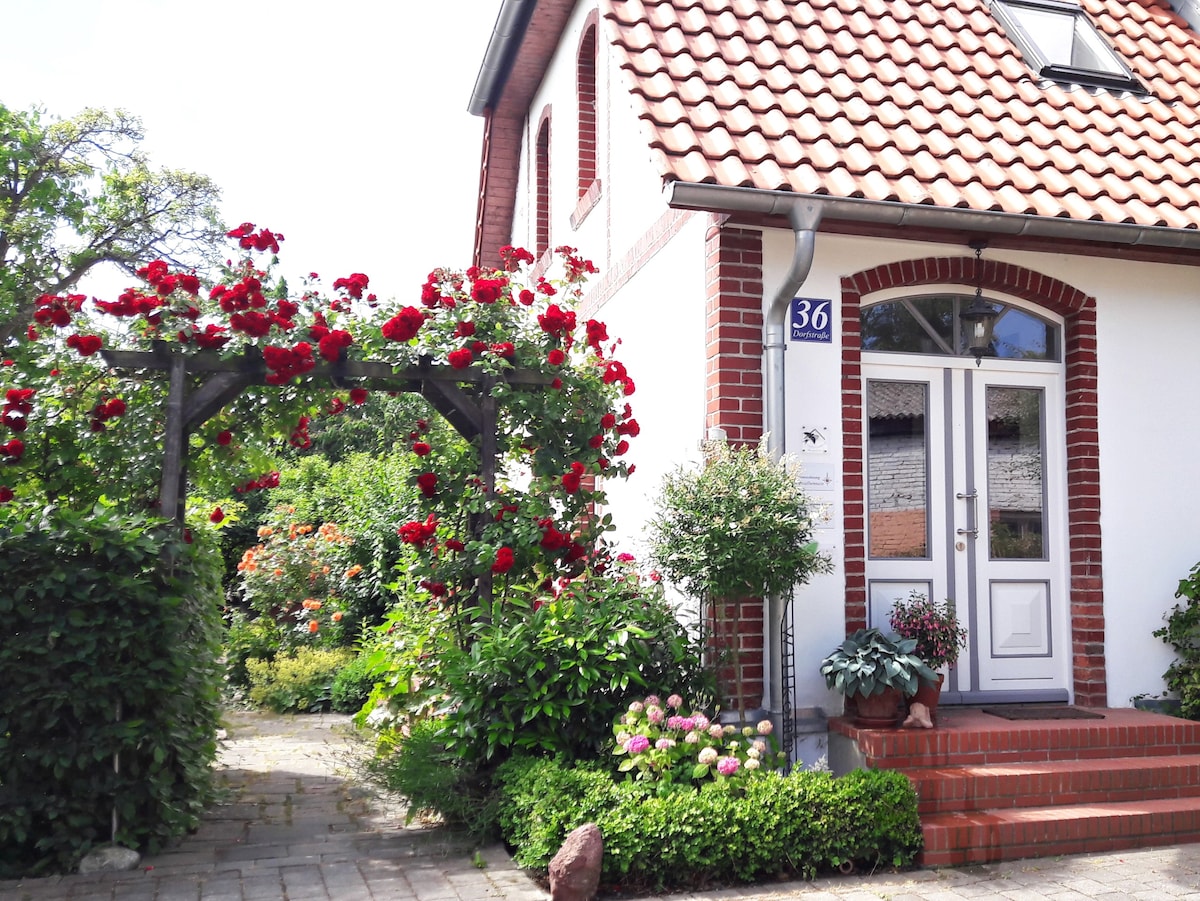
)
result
[(965, 482)]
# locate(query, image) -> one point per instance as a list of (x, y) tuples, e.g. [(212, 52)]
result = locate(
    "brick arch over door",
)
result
[(1083, 448)]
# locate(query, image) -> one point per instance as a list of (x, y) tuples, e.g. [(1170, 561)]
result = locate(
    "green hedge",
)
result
[(110, 648), (795, 825)]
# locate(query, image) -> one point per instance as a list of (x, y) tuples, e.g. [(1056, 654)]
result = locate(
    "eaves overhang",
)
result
[(734, 200)]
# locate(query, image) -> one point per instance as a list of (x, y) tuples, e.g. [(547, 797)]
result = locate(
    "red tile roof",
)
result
[(917, 101)]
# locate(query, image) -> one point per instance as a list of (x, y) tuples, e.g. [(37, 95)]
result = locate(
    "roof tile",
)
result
[(916, 101)]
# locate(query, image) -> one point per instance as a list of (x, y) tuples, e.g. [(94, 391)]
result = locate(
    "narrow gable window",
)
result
[(1060, 43)]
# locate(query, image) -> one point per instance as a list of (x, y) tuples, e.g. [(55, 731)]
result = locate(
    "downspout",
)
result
[(803, 217)]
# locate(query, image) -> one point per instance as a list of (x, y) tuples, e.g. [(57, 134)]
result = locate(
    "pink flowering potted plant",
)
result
[(940, 637)]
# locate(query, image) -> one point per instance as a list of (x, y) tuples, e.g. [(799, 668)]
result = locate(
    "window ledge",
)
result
[(586, 204)]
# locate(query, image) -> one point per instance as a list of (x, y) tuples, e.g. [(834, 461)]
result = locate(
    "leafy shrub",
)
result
[(352, 685), (551, 676), (1182, 632), (800, 824), (435, 779), (245, 638), (299, 681), (110, 651)]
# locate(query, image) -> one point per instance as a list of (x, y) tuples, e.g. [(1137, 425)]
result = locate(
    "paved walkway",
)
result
[(297, 827)]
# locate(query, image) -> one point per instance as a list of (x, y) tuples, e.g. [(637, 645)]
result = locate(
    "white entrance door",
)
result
[(965, 480)]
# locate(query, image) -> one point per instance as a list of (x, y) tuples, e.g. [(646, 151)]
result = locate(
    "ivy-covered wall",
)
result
[(110, 675)]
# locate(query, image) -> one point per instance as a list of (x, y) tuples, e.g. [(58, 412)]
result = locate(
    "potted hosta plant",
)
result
[(875, 671), (939, 635)]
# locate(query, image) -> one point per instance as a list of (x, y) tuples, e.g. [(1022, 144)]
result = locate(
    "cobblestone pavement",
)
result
[(296, 826)]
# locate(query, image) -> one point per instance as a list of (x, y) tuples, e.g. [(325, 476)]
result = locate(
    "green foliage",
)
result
[(1182, 632), (868, 662), (738, 526), (78, 193), (247, 638), (301, 681), (550, 674), (367, 496), (352, 685), (435, 779), (110, 650), (800, 824)]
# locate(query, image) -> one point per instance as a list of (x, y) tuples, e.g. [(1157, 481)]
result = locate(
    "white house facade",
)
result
[(782, 255)]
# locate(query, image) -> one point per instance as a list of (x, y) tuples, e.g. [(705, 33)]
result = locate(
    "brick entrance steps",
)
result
[(992, 789)]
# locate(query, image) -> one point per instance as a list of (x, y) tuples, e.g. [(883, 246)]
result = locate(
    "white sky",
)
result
[(341, 123)]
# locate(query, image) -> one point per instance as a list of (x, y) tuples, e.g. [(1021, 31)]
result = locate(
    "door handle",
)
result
[(974, 533), (970, 496)]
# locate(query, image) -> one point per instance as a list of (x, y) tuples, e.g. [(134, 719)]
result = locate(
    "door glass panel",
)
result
[(898, 469), (932, 325), (1015, 473)]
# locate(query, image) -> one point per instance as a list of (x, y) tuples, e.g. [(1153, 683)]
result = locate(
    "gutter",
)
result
[(503, 45), (721, 199), (804, 213)]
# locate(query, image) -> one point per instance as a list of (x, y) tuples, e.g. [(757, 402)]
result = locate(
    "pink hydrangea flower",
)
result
[(637, 744), (701, 721), (654, 714), (765, 727), (716, 730), (665, 744), (636, 707), (727, 766), (674, 702), (691, 738), (707, 756)]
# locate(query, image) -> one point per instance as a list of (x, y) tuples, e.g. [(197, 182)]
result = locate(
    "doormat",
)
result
[(1034, 712)]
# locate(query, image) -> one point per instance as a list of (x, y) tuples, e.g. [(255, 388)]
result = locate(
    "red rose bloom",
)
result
[(461, 358), (6, 494), (404, 325), (421, 449), (14, 448), (556, 357), (427, 482), (218, 515), (504, 561), (358, 396)]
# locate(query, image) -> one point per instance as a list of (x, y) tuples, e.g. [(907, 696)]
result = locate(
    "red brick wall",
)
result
[(586, 92), (1083, 444), (734, 336), (734, 389)]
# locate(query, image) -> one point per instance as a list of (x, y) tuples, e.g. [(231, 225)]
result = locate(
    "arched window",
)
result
[(542, 198), (586, 78), (931, 325)]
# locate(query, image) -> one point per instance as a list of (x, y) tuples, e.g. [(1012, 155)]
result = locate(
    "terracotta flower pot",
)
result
[(878, 711), (928, 693)]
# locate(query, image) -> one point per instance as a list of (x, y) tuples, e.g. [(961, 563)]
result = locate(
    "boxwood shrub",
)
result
[(681, 838), (109, 654)]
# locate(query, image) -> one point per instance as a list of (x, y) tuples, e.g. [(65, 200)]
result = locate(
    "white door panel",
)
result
[(966, 500)]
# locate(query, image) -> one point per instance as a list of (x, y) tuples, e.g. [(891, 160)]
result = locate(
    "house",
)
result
[(942, 251)]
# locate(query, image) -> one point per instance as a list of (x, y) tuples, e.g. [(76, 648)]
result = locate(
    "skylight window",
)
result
[(1060, 42)]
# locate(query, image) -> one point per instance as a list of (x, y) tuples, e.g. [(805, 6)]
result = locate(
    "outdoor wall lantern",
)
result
[(979, 319)]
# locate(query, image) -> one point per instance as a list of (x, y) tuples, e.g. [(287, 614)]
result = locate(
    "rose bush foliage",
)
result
[(509, 336)]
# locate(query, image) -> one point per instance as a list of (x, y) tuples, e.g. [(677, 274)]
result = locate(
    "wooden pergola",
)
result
[(202, 384)]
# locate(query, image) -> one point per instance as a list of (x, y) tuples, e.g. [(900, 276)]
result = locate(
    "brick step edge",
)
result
[(954, 839), (1055, 783)]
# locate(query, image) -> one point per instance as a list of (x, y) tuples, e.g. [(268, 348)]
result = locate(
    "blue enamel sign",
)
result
[(812, 319)]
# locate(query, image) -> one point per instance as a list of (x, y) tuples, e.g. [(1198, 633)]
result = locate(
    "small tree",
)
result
[(78, 193), (737, 527)]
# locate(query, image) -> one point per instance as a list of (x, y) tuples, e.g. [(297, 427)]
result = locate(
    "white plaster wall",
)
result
[(660, 318), (1148, 374)]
